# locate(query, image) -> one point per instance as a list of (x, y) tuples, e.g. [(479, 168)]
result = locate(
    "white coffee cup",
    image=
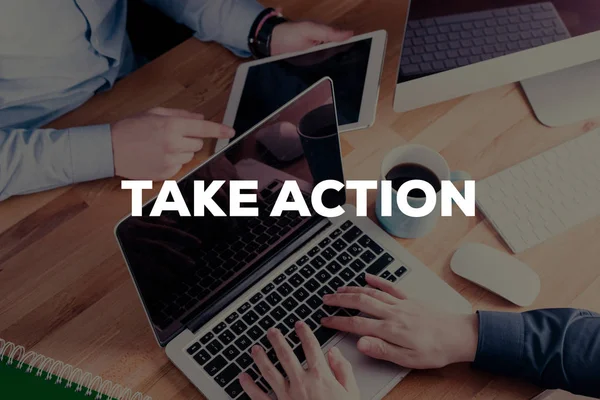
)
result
[(400, 224)]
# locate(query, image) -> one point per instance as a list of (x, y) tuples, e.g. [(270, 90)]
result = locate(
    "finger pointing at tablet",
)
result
[(155, 144)]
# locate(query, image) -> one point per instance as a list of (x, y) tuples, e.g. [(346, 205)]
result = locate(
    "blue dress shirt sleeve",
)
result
[(33, 160), (555, 348), (224, 21)]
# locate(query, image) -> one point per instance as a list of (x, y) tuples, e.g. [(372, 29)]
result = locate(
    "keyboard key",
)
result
[(283, 328), (303, 260), (226, 337), (329, 253), (253, 374), (400, 271), (264, 385), (307, 271), (344, 258), (324, 243), (262, 308), (266, 323), (380, 264), (193, 348), (314, 251), (250, 317), (360, 279), (368, 256), (280, 279), (323, 276), (324, 334), (355, 249), (352, 234), (219, 328), (318, 315), (265, 343), (207, 338), (256, 298), (239, 327), (301, 294), (339, 245), (215, 365), (335, 234), (243, 342), (278, 313), (235, 389), (285, 289), (303, 311), (296, 280), (370, 244), (299, 352), (255, 332), (267, 289), (244, 307), (274, 299), (290, 304), (312, 285), (293, 337), (357, 265), (291, 270), (231, 353), (324, 290), (314, 302), (336, 283), (317, 262), (385, 274), (232, 318), (346, 225), (214, 347), (202, 357), (334, 267), (347, 274), (290, 320), (228, 374), (272, 356), (392, 278)]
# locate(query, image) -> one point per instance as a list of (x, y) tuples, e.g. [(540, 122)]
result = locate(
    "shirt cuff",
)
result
[(240, 20), (501, 340), (91, 153)]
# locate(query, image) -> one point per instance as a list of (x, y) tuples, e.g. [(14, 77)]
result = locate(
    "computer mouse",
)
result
[(281, 140), (497, 272)]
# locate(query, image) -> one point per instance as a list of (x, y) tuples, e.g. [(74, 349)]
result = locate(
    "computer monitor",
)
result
[(455, 48)]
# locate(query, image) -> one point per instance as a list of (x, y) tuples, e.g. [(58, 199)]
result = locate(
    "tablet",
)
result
[(355, 66)]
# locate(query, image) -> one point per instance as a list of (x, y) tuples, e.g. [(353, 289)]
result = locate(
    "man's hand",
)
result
[(403, 331), (155, 144), (324, 379), (297, 36)]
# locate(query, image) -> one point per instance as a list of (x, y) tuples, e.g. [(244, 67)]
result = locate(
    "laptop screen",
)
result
[(183, 265)]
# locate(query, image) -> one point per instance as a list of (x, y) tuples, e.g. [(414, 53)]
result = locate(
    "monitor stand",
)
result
[(566, 96)]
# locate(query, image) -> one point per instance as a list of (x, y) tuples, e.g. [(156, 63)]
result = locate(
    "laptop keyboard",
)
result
[(258, 235), (438, 44), (341, 259)]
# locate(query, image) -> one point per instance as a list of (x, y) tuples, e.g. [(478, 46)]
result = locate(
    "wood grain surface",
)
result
[(65, 290)]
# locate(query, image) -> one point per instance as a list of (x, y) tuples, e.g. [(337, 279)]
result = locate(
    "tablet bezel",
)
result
[(370, 97)]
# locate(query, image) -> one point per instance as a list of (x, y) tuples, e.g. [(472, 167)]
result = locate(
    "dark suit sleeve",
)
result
[(555, 348)]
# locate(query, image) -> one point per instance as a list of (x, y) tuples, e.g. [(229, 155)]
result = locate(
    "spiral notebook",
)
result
[(28, 375)]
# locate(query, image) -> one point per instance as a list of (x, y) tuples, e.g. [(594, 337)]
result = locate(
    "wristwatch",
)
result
[(259, 38)]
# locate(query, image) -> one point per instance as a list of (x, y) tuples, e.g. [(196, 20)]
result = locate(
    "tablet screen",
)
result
[(271, 85)]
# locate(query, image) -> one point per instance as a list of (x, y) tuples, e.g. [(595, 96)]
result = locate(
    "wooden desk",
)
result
[(65, 290)]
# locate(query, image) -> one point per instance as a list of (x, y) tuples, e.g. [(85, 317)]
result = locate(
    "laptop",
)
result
[(212, 286)]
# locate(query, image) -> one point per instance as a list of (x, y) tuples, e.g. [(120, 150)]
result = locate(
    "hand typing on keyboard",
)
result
[(327, 377), (403, 331)]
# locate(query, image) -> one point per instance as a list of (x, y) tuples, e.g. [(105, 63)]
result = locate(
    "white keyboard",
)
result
[(546, 195)]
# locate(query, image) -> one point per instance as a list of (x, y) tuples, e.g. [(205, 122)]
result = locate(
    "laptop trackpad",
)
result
[(375, 378)]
